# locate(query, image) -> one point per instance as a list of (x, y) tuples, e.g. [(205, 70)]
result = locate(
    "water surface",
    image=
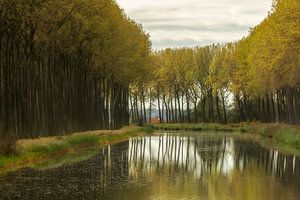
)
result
[(167, 166)]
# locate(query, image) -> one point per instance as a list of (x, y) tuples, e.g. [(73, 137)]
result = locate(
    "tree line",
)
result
[(66, 65), (254, 79)]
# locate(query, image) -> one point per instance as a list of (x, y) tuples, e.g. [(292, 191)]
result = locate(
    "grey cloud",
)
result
[(226, 27), (175, 23)]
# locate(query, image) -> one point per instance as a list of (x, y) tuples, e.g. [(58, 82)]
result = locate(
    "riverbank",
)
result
[(54, 151), (287, 137)]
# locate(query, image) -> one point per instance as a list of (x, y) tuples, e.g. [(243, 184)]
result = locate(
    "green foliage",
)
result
[(261, 72), (48, 149), (83, 139), (288, 136), (147, 128), (274, 53), (63, 61)]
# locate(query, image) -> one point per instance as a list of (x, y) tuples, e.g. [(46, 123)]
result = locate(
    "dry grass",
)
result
[(52, 140), (43, 150)]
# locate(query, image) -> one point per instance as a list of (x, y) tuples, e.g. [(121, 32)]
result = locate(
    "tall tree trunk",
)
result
[(211, 107), (172, 111), (188, 108), (278, 101), (176, 110), (218, 108), (159, 109), (196, 112), (204, 108), (144, 108), (273, 109), (179, 107), (224, 109), (150, 107)]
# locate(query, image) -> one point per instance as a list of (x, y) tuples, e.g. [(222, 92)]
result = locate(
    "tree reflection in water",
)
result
[(203, 156), (169, 166)]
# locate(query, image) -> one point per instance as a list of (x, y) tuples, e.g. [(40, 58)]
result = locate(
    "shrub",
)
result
[(8, 145), (83, 139)]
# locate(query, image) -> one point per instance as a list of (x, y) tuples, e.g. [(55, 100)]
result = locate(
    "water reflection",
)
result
[(204, 155), (188, 154), (169, 166)]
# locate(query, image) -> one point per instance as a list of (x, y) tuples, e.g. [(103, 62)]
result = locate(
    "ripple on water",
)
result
[(169, 166)]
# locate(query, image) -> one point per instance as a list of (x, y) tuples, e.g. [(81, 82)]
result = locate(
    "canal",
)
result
[(166, 166)]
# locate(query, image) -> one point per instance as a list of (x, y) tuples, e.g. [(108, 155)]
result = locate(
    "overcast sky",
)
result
[(176, 23)]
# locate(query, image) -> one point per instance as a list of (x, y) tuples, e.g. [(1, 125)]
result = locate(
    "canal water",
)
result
[(167, 166)]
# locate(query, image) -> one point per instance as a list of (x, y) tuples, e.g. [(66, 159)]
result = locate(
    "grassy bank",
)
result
[(55, 151), (285, 135), (198, 127)]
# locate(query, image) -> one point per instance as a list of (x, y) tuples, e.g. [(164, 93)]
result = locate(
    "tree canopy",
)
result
[(67, 65), (255, 78)]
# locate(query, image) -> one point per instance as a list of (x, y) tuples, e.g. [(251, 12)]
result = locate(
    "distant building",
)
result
[(155, 120)]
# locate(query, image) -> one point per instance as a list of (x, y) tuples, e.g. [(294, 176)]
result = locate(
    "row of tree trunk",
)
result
[(283, 106), (179, 108), (48, 91)]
